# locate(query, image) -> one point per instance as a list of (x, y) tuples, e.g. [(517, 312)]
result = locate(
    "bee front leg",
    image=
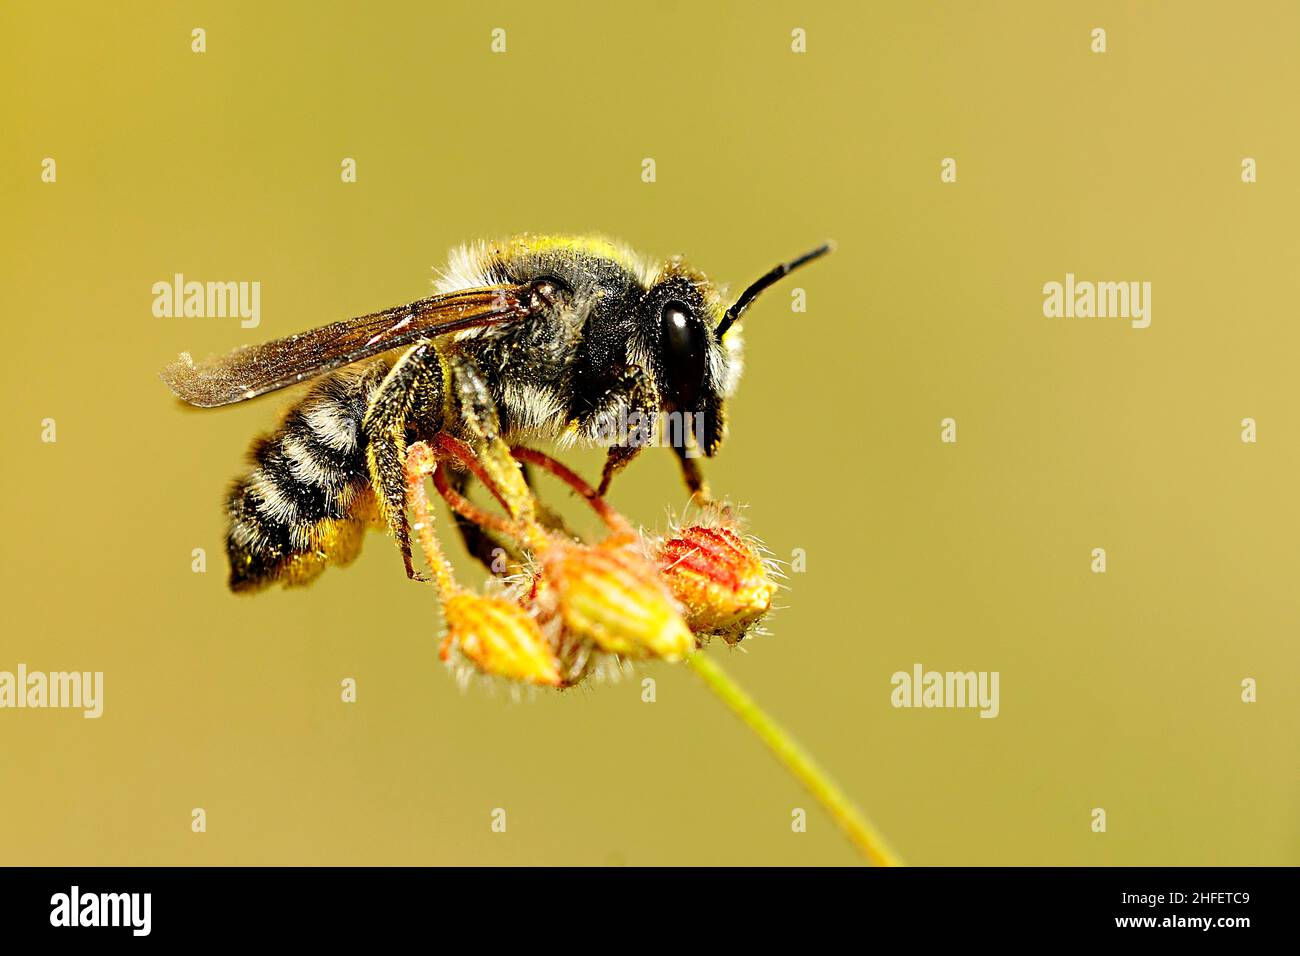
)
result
[(636, 399), (691, 474), (412, 393), (616, 459)]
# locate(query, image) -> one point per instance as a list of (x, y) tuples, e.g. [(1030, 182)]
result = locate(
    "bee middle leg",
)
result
[(479, 423), (490, 551)]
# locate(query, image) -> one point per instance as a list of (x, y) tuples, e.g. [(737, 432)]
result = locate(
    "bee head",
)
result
[(666, 322), (693, 371), (695, 349)]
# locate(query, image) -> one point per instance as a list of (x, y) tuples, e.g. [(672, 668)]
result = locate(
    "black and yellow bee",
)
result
[(530, 338)]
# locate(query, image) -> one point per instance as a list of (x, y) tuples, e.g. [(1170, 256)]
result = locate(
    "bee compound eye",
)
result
[(685, 344), (546, 291)]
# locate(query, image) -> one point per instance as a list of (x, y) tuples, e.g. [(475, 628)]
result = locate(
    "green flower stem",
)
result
[(855, 826)]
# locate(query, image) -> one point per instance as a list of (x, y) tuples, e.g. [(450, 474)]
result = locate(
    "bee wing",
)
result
[(255, 370)]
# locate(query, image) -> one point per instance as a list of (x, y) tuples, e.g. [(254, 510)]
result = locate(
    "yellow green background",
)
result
[(1119, 691)]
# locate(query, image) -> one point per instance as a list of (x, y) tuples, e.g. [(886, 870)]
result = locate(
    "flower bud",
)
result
[(500, 638), (611, 596), (719, 579)]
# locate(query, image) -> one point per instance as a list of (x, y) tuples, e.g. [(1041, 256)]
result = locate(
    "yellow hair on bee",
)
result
[(473, 264)]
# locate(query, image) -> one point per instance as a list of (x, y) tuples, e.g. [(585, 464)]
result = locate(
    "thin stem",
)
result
[(858, 829)]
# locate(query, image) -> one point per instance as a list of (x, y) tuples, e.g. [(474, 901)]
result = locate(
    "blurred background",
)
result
[(1119, 690)]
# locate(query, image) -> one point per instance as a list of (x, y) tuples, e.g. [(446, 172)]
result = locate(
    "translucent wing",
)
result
[(249, 372)]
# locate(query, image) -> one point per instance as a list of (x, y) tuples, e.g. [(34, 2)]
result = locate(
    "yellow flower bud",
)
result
[(610, 595), (719, 579), (500, 638)]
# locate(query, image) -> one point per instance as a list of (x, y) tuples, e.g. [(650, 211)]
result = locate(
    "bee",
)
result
[(530, 338)]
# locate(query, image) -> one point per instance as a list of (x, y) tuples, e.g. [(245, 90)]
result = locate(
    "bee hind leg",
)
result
[(410, 396), (413, 401)]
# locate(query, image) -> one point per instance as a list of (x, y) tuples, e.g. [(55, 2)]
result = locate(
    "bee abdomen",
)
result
[(307, 502)]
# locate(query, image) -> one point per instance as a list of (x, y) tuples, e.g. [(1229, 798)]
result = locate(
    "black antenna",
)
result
[(750, 294)]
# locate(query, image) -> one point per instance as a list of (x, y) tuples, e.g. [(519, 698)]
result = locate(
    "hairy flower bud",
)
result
[(499, 638), (719, 579), (610, 595)]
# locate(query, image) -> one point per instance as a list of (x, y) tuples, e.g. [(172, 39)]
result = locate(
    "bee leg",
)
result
[(546, 516), (635, 392), (497, 554), (411, 395), (692, 474), (616, 459), (494, 554), (480, 423)]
